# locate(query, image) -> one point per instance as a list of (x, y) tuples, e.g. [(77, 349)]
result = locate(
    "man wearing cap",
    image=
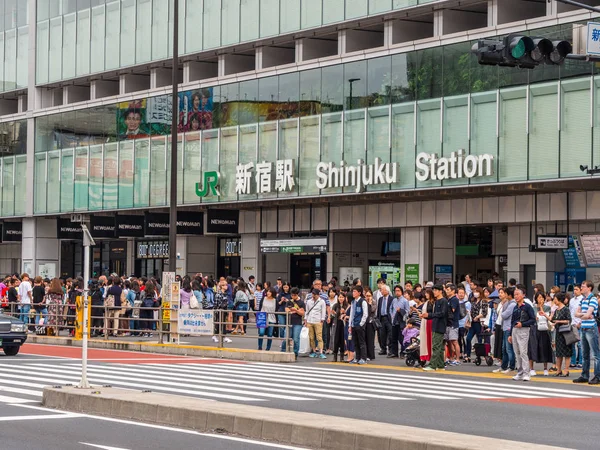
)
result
[(316, 313), (438, 328)]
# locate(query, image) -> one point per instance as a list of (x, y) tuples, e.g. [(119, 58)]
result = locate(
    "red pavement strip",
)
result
[(576, 404), (115, 356)]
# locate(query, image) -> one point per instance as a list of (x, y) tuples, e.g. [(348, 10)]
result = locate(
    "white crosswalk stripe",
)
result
[(263, 382)]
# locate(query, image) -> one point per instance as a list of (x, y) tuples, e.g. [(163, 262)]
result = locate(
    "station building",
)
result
[(317, 138)]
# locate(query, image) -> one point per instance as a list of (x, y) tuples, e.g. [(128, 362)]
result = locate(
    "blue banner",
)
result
[(261, 319)]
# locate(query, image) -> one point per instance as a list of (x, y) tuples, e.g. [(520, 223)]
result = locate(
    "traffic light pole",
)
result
[(174, 122)]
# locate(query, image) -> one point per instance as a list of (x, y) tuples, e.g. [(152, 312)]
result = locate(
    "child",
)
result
[(410, 331)]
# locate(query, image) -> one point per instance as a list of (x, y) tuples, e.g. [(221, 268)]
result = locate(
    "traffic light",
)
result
[(521, 51)]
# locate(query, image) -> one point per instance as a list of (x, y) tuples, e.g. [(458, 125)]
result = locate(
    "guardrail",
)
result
[(160, 323)]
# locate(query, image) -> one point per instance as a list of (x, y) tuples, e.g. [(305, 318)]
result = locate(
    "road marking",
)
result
[(16, 390), (40, 417), (105, 447), (175, 430), (15, 400), (60, 376), (491, 375)]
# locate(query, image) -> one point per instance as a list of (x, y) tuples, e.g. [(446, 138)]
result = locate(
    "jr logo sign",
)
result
[(210, 185)]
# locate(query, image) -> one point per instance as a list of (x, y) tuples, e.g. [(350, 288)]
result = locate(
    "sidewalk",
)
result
[(283, 426)]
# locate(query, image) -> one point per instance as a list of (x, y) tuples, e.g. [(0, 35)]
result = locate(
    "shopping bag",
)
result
[(304, 341), (261, 319)]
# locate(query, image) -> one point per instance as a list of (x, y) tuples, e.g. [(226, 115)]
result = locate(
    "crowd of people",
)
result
[(352, 323)]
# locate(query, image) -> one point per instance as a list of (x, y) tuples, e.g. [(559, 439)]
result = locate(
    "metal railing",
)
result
[(154, 324)]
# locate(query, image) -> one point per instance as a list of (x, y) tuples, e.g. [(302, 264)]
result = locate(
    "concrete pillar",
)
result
[(130, 261), (103, 88), (181, 256), (416, 244), (444, 248), (132, 83), (22, 103), (201, 255), (40, 245), (199, 70), (74, 94), (251, 256), (10, 258), (519, 256)]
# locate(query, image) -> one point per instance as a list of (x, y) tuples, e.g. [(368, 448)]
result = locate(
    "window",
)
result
[(143, 31)]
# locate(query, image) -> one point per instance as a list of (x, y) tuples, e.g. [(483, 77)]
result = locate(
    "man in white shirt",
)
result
[(25, 297), (316, 313), (574, 304)]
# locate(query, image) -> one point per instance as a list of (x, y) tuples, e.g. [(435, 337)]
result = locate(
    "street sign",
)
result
[(294, 245), (593, 38), (552, 242)]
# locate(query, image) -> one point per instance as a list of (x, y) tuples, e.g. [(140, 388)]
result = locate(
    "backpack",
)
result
[(463, 310)]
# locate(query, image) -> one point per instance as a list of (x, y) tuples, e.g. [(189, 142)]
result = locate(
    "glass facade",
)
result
[(121, 33), (13, 168), (14, 42), (536, 124)]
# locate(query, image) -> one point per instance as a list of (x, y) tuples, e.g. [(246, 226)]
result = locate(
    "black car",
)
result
[(13, 334)]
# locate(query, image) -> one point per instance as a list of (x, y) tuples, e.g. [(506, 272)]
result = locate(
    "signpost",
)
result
[(551, 243), (411, 273), (196, 322), (294, 245), (593, 38)]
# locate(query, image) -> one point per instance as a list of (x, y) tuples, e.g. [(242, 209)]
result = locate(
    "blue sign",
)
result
[(443, 273), (261, 319), (573, 253)]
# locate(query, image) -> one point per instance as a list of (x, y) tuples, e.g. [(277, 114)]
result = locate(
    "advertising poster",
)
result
[(348, 274), (443, 274), (388, 270), (196, 110), (141, 118), (411, 273), (195, 322)]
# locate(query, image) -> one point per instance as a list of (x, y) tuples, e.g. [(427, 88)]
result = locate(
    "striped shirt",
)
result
[(585, 304)]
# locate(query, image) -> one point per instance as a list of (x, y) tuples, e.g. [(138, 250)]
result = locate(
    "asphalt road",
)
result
[(545, 410)]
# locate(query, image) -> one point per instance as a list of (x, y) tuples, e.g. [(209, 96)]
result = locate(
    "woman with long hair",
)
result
[(425, 332), (479, 311), (146, 310), (240, 307), (543, 338), (338, 326), (370, 325), (283, 297), (54, 299)]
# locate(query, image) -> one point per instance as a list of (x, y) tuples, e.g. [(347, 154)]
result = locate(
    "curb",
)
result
[(255, 422), (171, 349)]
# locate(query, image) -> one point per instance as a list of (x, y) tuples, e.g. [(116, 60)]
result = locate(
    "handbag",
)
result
[(194, 302), (109, 302), (571, 336), (564, 328), (377, 323), (542, 324)]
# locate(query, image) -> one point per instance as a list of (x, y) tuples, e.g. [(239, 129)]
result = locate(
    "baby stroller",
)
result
[(483, 351), (413, 352)]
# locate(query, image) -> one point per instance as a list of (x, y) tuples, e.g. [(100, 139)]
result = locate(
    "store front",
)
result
[(151, 257), (229, 260)]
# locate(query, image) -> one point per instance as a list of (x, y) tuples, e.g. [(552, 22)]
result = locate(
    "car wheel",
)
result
[(12, 350)]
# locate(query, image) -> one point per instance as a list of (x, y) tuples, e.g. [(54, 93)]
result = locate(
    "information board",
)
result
[(195, 322), (591, 249)]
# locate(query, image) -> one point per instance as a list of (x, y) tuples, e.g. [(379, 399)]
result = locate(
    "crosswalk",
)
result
[(263, 382)]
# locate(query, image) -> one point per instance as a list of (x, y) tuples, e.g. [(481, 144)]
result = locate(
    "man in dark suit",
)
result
[(385, 318)]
